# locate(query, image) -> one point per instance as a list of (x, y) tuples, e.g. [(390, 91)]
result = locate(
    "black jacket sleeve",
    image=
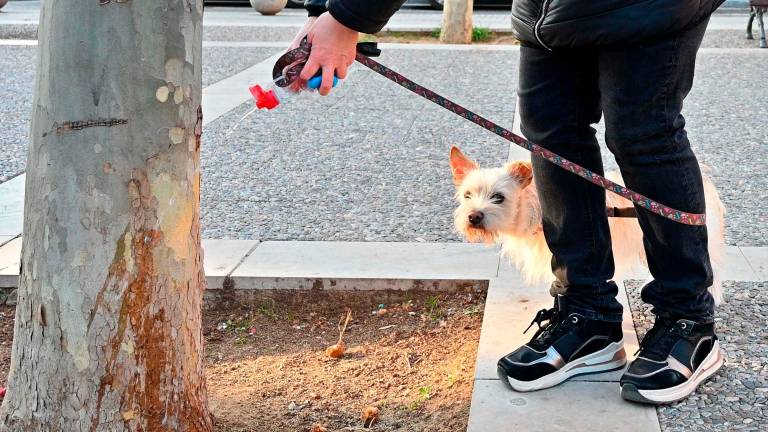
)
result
[(365, 16), (315, 7)]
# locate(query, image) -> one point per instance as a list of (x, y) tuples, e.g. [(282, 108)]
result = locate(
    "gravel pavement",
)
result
[(736, 397), (373, 134), (222, 62), (16, 83), (731, 38), (261, 34), (18, 31), (369, 162)]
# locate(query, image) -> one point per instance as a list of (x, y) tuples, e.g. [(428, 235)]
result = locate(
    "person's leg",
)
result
[(559, 100), (643, 90), (642, 95)]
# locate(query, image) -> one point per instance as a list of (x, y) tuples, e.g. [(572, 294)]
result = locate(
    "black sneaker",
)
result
[(674, 358), (566, 346)]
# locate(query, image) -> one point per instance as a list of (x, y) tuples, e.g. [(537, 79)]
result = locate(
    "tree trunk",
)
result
[(108, 324), (457, 22)]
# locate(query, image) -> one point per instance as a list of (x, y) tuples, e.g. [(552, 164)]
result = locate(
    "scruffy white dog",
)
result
[(500, 205)]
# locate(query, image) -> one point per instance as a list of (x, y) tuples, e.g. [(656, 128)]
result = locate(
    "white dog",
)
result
[(501, 205)]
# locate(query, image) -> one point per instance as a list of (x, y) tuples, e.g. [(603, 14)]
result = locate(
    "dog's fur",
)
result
[(514, 221)]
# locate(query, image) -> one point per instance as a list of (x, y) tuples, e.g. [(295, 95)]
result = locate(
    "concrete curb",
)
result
[(253, 265)]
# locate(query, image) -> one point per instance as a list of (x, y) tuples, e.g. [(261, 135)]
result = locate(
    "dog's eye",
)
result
[(467, 195), (497, 198)]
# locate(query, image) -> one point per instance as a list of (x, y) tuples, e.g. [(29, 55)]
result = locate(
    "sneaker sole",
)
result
[(711, 364), (607, 359)]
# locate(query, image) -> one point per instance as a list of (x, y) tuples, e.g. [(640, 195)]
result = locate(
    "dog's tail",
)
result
[(716, 235)]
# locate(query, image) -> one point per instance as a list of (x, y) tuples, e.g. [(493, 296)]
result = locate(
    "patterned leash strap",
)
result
[(290, 65)]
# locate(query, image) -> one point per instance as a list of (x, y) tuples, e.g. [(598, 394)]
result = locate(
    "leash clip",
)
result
[(369, 49)]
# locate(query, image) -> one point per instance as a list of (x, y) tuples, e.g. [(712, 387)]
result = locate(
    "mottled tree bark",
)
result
[(457, 22), (108, 325)]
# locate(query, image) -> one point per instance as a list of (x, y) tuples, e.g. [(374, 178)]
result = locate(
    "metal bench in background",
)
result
[(756, 9)]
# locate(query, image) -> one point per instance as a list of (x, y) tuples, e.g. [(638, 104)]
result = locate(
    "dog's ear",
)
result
[(521, 171), (461, 165)]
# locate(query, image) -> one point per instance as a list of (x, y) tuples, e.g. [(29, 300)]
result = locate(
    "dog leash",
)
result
[(288, 67)]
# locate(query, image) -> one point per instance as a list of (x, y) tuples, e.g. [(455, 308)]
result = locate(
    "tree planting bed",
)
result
[(411, 355)]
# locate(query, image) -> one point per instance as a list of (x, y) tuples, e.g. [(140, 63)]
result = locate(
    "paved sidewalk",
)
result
[(367, 265), (407, 19), (509, 306), (369, 164), (373, 148)]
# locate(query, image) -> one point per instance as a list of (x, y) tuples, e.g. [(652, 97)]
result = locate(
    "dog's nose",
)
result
[(476, 218)]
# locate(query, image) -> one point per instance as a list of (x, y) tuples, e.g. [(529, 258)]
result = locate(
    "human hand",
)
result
[(333, 50), (297, 85)]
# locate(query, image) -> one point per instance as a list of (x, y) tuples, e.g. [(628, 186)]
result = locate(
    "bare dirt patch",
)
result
[(411, 355), (6, 339)]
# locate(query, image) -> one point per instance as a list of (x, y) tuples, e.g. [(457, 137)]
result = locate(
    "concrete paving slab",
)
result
[(758, 260), (356, 284), (10, 259), (221, 257), (12, 206), (370, 260), (572, 406), (18, 42), (737, 267), (509, 308), (10, 256)]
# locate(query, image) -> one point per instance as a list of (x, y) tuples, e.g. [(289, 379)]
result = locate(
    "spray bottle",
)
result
[(272, 95)]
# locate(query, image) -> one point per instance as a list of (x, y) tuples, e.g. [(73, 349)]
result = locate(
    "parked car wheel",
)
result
[(437, 4), (296, 4)]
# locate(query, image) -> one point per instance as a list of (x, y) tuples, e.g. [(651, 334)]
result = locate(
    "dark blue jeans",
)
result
[(640, 91)]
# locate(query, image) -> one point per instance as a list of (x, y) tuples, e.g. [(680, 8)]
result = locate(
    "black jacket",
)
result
[(579, 23), (365, 16), (553, 23)]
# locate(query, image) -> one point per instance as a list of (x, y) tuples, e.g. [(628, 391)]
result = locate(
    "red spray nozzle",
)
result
[(264, 99)]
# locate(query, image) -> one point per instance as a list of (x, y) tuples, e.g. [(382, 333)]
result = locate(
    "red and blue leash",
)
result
[(290, 64)]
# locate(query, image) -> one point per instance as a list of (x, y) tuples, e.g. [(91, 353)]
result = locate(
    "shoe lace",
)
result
[(546, 331), (658, 341)]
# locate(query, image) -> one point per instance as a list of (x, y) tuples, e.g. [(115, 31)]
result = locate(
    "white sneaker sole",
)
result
[(711, 364), (607, 359)]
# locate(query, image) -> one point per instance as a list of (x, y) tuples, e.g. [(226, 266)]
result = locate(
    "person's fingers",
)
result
[(327, 84), (341, 71), (310, 69), (303, 32)]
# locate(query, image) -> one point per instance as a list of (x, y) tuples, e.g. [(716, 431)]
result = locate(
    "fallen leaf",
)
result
[(370, 416), (336, 350)]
